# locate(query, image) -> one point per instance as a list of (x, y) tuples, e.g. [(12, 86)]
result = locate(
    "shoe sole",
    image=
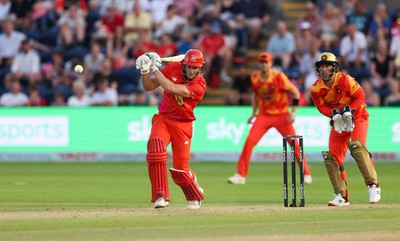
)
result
[(161, 206), (341, 205), (236, 183)]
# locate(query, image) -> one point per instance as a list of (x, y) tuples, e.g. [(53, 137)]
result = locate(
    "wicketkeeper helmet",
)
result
[(330, 59)]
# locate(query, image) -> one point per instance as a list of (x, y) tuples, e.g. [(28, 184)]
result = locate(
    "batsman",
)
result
[(340, 97), (184, 87)]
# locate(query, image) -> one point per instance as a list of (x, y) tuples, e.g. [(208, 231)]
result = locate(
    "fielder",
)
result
[(272, 90), (184, 87), (339, 97)]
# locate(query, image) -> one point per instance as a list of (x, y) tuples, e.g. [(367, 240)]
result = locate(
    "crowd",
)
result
[(366, 41), (41, 42)]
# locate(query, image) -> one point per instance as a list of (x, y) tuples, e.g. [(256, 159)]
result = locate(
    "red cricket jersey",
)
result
[(177, 107), (344, 91), (272, 94)]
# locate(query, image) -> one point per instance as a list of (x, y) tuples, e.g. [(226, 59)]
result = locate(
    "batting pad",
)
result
[(335, 174), (187, 181), (157, 166), (363, 159)]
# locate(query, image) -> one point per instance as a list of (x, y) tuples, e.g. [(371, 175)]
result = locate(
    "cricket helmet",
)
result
[(193, 58), (330, 59)]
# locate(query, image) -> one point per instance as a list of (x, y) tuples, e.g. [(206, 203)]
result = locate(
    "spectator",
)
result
[(395, 53), (187, 8), (256, 14), (92, 61), (307, 70), (393, 99), (113, 21), (304, 40), (353, 51), (79, 97), (380, 19), (15, 97), (59, 99), (167, 46), (34, 97), (185, 43), (158, 10), (382, 69), (359, 17), (136, 22), (372, 98), (242, 91), (26, 66), (332, 24), (312, 16), (216, 48), (104, 95), (72, 26), (5, 7), (62, 6), (281, 45), (10, 42), (105, 72), (172, 24)]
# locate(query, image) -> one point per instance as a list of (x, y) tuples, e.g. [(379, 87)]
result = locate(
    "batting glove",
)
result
[(348, 118), (143, 63), (155, 60), (337, 121)]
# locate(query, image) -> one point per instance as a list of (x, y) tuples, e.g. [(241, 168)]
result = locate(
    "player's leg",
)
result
[(260, 126), (334, 160), (157, 156), (363, 158), (187, 181), (181, 136), (288, 129)]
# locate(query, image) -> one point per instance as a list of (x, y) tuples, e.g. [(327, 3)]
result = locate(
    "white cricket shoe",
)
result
[(374, 193), (237, 179), (160, 203), (307, 179), (339, 201), (193, 205)]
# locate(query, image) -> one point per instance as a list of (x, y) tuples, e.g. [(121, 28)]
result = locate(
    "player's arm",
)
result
[(169, 87), (295, 93), (357, 94), (148, 82)]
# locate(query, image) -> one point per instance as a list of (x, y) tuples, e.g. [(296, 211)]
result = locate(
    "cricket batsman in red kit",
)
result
[(270, 109), (184, 87), (340, 97)]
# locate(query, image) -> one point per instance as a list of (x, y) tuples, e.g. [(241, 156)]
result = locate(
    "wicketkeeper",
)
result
[(339, 97)]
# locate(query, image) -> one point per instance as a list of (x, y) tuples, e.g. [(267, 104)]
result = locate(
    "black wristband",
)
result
[(295, 102)]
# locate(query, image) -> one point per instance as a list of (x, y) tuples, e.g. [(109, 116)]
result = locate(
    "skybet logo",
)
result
[(34, 131)]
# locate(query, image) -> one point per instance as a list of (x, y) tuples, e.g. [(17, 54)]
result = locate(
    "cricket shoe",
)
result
[(160, 203), (307, 179), (339, 201), (374, 193), (195, 204), (237, 179)]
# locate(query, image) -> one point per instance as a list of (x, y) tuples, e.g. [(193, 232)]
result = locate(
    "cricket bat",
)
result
[(177, 58)]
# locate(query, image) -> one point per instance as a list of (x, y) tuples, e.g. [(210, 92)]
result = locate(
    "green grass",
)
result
[(111, 201)]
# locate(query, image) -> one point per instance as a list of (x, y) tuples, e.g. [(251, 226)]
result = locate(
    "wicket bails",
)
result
[(292, 139)]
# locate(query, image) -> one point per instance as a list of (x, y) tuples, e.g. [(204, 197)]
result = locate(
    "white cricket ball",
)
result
[(78, 69)]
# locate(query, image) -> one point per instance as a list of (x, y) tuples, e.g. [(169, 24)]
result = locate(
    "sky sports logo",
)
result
[(34, 131)]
